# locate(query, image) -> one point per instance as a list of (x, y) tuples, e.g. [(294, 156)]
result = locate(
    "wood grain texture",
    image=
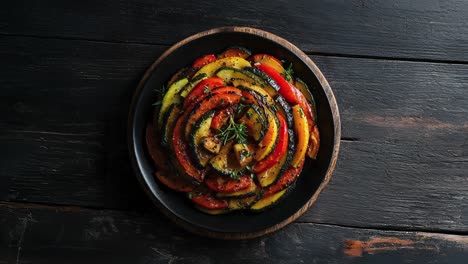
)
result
[(407, 168), (41, 234), (408, 123), (433, 29), (63, 120)]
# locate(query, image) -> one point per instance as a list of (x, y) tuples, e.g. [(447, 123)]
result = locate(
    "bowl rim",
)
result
[(324, 85)]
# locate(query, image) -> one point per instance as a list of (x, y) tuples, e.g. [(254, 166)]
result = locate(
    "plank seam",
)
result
[(392, 228), (308, 52), (75, 208)]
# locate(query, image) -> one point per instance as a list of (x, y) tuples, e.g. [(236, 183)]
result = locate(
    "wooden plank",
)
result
[(409, 126), (407, 168), (434, 30), (63, 120), (36, 234)]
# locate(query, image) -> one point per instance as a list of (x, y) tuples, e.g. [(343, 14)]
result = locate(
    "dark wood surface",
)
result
[(399, 71)]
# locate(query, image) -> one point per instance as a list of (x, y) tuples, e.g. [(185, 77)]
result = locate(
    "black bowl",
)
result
[(315, 175)]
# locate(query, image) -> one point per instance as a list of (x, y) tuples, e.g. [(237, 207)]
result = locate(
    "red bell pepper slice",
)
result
[(204, 60), (202, 89), (181, 150), (288, 178), (291, 94), (208, 200), (278, 152), (224, 184), (287, 90)]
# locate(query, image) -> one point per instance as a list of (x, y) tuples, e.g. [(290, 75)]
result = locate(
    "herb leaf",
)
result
[(235, 175), (233, 131), (288, 73)]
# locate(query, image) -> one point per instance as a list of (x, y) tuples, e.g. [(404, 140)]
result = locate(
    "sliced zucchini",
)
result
[(267, 202), (302, 86), (193, 82), (255, 121), (169, 120), (272, 174), (200, 131), (234, 62), (226, 163), (171, 97), (242, 203), (264, 96), (230, 73), (267, 79), (285, 109), (268, 143), (301, 128)]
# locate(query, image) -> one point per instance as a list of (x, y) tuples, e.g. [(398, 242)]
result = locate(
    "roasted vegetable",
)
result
[(234, 62), (171, 97), (268, 201), (200, 131), (202, 61), (268, 143), (232, 131), (226, 163), (235, 52), (302, 132)]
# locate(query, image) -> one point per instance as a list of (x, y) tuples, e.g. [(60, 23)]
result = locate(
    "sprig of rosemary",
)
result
[(241, 107), (233, 131)]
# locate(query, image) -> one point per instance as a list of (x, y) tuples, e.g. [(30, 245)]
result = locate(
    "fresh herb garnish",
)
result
[(233, 131), (288, 73), (301, 112), (240, 107), (206, 90), (235, 175), (244, 154), (161, 93)]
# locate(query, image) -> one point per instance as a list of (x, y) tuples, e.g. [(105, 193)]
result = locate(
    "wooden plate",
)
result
[(315, 175)]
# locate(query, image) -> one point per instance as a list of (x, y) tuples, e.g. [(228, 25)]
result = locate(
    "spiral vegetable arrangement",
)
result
[(232, 131)]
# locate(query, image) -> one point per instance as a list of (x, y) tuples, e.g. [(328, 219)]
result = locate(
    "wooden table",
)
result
[(399, 70)]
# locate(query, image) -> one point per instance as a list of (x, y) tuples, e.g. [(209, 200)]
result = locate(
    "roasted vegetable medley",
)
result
[(232, 131)]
